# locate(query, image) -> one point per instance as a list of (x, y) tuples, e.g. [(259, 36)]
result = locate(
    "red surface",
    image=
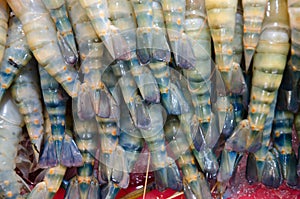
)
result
[(152, 194), (246, 191), (239, 188), (259, 191), (60, 194)]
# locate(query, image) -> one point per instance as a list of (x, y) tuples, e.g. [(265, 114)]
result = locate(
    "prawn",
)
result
[(42, 40), (195, 184), (16, 55), (221, 19), (27, 95), (4, 16), (11, 128), (58, 12), (254, 14), (59, 147)]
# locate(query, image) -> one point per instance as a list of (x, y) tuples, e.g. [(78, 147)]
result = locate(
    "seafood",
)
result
[(11, 128), (221, 20), (268, 66), (271, 163), (196, 28), (147, 82), (130, 139), (94, 64), (289, 92), (282, 135), (238, 35), (111, 157), (102, 102), (144, 36), (165, 170), (84, 32), (97, 12), (230, 159), (171, 97), (53, 176), (160, 56), (228, 163), (200, 142), (50, 184), (84, 184), (200, 86), (181, 45), (260, 162), (16, 54), (155, 51), (129, 89), (60, 148), (289, 89), (293, 9), (58, 12), (125, 155), (195, 185), (240, 87), (42, 40), (4, 15), (254, 14), (125, 22), (130, 94), (27, 95)]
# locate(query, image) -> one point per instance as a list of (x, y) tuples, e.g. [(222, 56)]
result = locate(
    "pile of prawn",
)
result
[(194, 85)]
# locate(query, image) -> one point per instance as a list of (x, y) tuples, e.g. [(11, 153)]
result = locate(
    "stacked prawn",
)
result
[(95, 81)]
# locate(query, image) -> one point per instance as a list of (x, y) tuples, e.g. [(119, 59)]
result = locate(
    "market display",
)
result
[(89, 88)]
